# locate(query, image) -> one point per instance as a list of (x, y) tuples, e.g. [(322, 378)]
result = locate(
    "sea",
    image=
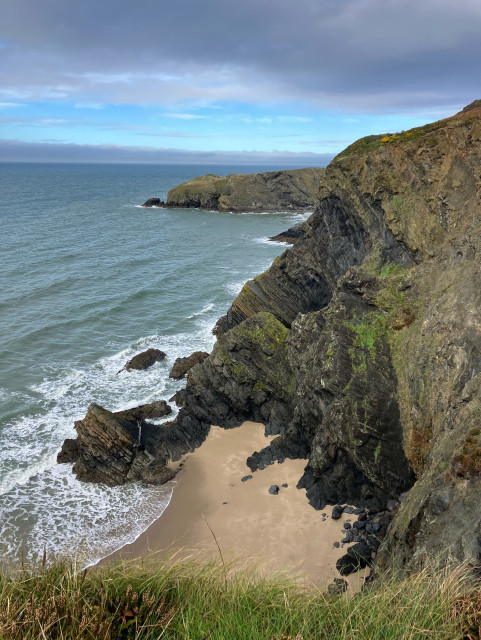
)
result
[(89, 278)]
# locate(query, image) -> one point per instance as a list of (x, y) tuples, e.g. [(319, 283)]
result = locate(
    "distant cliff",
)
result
[(290, 190)]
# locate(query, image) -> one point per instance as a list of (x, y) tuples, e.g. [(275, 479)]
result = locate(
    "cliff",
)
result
[(360, 346), (290, 190)]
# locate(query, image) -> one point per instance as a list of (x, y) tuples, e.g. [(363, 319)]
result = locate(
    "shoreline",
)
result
[(212, 512)]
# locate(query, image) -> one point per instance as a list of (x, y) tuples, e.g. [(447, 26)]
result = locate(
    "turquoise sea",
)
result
[(88, 279)]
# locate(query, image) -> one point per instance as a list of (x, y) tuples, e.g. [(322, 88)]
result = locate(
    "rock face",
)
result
[(291, 235), (183, 365), (290, 190), (115, 448), (145, 360), (374, 373)]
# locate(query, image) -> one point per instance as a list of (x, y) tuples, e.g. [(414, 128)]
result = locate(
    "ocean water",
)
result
[(89, 279)]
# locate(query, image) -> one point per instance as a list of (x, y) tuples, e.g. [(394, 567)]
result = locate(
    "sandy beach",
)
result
[(277, 532)]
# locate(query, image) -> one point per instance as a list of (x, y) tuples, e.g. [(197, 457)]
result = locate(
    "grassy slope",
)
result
[(210, 601)]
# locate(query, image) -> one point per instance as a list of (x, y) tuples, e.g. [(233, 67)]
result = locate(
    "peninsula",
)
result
[(289, 190)]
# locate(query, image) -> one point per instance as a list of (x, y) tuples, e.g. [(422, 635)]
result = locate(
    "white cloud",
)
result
[(183, 116)]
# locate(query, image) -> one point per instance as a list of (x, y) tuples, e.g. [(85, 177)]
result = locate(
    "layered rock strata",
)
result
[(289, 190)]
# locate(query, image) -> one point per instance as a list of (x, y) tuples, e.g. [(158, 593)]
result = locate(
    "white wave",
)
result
[(57, 512), (206, 309), (29, 444), (234, 288)]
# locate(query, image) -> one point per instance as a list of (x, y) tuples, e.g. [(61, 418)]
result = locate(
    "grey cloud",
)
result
[(374, 55), (55, 151)]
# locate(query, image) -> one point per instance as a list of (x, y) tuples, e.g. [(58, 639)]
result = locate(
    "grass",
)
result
[(193, 601)]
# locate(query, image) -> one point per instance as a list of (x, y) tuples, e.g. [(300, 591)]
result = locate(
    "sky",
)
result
[(245, 81)]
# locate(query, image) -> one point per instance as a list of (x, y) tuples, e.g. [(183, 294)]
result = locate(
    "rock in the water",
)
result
[(182, 365), (69, 451), (153, 202), (274, 489), (291, 235), (114, 449), (145, 360)]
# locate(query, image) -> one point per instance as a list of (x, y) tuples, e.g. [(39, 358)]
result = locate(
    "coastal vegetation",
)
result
[(200, 601)]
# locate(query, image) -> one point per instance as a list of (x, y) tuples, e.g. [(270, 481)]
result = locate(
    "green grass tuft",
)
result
[(195, 601)]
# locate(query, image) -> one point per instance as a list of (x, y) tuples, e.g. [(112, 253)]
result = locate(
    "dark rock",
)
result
[(114, 449), (357, 557), (245, 478), (145, 360), (359, 525), (348, 510), (392, 504), (337, 512), (153, 202), (291, 235), (183, 365), (156, 409), (69, 451), (337, 587), (336, 545), (358, 511), (285, 485), (274, 489), (376, 527), (346, 525), (178, 398)]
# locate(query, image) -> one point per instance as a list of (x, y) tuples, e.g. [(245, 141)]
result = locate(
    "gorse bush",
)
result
[(194, 601)]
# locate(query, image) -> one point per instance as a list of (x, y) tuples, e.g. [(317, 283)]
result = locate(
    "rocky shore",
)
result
[(289, 190), (359, 348)]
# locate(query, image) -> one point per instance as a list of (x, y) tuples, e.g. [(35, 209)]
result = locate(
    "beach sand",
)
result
[(277, 532)]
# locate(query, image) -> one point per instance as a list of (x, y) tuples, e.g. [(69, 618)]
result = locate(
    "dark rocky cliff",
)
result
[(289, 190), (361, 345)]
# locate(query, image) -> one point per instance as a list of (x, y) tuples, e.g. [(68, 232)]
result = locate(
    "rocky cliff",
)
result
[(290, 190), (361, 345)]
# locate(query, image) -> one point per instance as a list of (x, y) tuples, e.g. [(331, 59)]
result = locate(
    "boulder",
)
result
[(69, 451), (145, 360), (156, 409), (154, 202), (182, 365), (357, 557)]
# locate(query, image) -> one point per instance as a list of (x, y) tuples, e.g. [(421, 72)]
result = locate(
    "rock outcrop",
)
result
[(144, 360), (115, 448), (183, 365), (289, 190), (154, 202)]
